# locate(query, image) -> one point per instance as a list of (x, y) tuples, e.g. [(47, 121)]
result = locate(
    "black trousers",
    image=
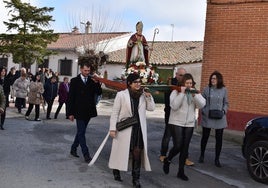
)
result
[(59, 108), (3, 117), (20, 102), (181, 137), (37, 110), (204, 141), (165, 140), (49, 107)]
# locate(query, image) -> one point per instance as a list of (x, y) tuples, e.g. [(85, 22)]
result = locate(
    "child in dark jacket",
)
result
[(50, 93)]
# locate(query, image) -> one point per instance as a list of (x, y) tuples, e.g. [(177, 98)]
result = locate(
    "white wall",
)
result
[(54, 63), (113, 70), (194, 69), (113, 44)]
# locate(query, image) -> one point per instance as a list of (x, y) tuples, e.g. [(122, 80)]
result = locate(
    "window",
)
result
[(65, 67), (3, 62)]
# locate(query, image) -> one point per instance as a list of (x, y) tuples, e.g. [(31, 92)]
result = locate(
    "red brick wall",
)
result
[(236, 44)]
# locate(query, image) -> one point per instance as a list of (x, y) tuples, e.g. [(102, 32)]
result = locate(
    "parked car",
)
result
[(255, 148)]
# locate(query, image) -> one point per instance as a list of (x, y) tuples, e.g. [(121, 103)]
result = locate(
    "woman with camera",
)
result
[(132, 141), (214, 114), (182, 122)]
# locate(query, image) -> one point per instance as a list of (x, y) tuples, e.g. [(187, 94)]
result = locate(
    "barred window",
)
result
[(65, 67), (44, 64), (3, 62)]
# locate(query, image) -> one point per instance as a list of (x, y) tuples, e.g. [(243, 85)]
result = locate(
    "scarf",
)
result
[(135, 94)]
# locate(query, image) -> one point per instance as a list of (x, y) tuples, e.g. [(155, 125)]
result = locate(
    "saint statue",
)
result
[(137, 47)]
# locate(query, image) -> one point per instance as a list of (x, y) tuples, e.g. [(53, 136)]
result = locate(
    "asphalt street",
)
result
[(36, 155)]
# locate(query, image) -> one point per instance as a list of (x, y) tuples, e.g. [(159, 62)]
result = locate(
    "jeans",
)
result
[(80, 138)]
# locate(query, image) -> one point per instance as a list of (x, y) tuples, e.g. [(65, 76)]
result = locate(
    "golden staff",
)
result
[(156, 31)]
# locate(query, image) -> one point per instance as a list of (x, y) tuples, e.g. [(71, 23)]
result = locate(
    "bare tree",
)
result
[(96, 26)]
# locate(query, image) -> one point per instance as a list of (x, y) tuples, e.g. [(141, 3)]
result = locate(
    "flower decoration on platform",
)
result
[(147, 74)]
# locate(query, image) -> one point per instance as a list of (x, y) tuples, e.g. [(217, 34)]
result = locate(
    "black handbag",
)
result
[(126, 123), (214, 114), (130, 121)]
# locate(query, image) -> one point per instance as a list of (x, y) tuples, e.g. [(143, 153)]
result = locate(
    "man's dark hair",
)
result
[(89, 61)]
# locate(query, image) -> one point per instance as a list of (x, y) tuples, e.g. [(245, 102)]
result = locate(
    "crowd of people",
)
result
[(130, 143), (39, 89)]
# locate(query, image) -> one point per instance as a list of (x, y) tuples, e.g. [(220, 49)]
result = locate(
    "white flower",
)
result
[(144, 80), (140, 63)]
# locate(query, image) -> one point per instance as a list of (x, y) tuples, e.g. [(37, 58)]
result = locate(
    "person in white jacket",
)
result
[(131, 141), (182, 121)]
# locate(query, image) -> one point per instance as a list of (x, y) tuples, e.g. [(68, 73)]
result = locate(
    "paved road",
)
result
[(36, 155)]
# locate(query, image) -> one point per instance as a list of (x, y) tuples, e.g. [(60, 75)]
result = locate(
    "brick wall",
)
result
[(236, 44)]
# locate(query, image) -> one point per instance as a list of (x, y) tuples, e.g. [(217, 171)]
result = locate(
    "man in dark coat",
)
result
[(82, 106)]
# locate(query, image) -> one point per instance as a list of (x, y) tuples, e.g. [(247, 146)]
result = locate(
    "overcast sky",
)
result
[(176, 19)]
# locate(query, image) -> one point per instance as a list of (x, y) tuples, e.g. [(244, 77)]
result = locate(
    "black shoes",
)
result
[(201, 159), (136, 183), (166, 166), (117, 176), (217, 163), (87, 158), (182, 176), (74, 153), (1, 127)]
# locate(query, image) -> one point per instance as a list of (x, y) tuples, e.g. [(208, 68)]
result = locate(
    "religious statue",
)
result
[(137, 47)]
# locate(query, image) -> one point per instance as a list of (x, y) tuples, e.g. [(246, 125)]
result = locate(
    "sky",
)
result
[(176, 20)]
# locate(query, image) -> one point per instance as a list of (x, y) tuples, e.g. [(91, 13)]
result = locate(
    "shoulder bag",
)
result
[(130, 121), (213, 113)]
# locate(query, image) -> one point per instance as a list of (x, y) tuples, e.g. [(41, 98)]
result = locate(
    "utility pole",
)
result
[(172, 25)]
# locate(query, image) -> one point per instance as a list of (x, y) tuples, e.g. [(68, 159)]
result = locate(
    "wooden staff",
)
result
[(119, 86), (156, 31)]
